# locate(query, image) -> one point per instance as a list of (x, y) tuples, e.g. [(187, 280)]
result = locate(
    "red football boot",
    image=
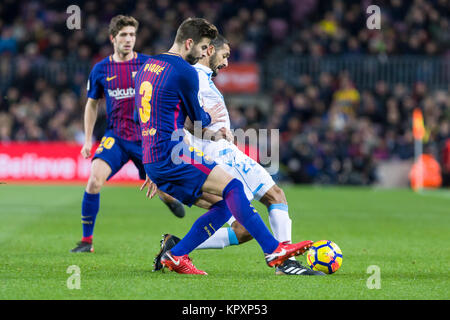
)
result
[(180, 264), (286, 250)]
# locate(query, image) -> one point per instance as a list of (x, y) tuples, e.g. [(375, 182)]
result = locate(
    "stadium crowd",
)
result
[(331, 131)]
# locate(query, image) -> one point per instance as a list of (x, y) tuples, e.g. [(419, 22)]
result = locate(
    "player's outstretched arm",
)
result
[(90, 116)]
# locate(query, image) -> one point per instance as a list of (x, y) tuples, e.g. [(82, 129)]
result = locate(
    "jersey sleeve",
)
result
[(189, 93), (94, 85)]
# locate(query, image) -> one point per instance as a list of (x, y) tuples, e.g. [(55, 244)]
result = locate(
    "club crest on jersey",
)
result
[(148, 132), (121, 93)]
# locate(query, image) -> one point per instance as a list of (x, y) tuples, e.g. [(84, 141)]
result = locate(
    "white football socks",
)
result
[(279, 220), (280, 223), (222, 238)]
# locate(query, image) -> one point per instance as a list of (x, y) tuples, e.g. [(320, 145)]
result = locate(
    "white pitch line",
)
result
[(442, 194)]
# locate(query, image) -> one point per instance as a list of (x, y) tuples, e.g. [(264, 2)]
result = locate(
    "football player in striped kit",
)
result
[(167, 93), (258, 184), (113, 79)]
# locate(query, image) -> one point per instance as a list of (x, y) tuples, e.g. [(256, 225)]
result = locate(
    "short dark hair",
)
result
[(121, 21), (195, 29), (219, 41)]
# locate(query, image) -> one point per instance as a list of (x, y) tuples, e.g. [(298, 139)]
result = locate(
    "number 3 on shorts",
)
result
[(145, 90)]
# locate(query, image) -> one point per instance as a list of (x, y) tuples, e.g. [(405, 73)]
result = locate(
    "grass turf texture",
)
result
[(405, 234)]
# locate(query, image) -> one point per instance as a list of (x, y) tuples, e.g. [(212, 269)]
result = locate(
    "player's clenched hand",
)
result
[(224, 133), (152, 188), (216, 113), (86, 150), (228, 134)]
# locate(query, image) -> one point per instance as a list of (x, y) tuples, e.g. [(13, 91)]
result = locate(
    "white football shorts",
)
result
[(256, 180)]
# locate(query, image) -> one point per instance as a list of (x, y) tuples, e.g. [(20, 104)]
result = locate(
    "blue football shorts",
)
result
[(116, 152), (183, 175)]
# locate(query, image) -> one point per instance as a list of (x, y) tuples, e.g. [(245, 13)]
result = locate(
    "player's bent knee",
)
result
[(241, 233), (275, 195), (203, 204), (94, 184), (216, 182), (100, 171)]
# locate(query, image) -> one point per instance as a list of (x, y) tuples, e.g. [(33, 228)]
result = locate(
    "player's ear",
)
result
[(111, 38), (188, 44), (210, 51)]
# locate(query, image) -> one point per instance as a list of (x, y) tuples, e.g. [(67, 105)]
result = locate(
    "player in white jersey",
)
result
[(258, 183)]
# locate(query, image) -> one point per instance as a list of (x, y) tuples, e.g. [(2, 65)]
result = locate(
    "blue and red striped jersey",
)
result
[(115, 81), (166, 93)]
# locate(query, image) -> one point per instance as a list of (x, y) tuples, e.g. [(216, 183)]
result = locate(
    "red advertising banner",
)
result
[(58, 162), (238, 78), (51, 161)]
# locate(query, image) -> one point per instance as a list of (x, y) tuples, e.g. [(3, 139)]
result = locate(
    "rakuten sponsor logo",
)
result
[(121, 93)]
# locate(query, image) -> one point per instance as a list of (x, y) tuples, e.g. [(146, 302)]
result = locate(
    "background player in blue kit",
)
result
[(113, 78), (167, 92)]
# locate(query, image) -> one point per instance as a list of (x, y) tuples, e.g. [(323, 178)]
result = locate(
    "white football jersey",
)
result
[(254, 177), (208, 96)]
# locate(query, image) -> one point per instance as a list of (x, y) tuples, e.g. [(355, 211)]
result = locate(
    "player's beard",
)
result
[(194, 55), (213, 65), (191, 58)]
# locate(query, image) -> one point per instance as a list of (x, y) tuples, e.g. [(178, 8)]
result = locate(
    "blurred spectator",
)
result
[(346, 97), (344, 145)]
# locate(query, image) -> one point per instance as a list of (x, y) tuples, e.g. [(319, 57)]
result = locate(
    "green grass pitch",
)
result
[(403, 233)]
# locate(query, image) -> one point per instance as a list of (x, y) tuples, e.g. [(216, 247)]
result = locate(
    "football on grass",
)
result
[(324, 256)]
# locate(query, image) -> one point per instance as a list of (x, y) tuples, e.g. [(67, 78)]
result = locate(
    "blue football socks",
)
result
[(246, 214), (89, 209), (203, 228), (234, 201)]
